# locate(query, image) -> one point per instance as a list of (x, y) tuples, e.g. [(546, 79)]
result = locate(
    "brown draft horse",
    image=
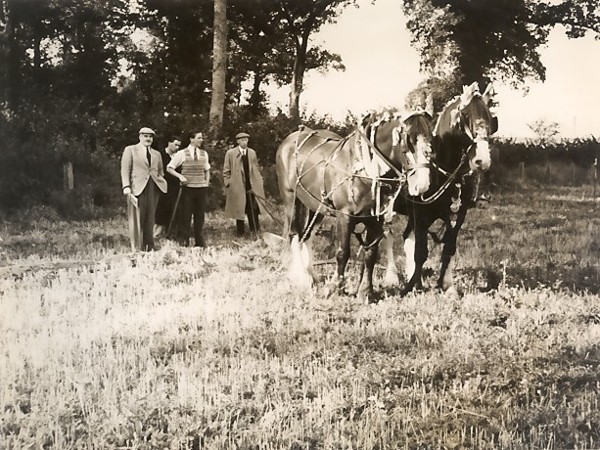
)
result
[(461, 151), (355, 179)]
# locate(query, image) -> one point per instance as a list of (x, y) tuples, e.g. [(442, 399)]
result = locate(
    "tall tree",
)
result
[(478, 40), (301, 20), (58, 59), (8, 71), (270, 43), (219, 70), (173, 71)]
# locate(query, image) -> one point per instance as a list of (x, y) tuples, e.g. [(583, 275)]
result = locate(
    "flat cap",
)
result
[(242, 135), (146, 130)]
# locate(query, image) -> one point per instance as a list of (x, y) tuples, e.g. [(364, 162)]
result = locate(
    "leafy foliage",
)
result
[(486, 39)]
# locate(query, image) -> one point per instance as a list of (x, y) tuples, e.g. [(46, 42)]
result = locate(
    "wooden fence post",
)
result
[(68, 176), (595, 177), (522, 170)]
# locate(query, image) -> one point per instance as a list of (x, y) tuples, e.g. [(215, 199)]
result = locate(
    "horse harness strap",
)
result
[(377, 152), (326, 194), (440, 191)]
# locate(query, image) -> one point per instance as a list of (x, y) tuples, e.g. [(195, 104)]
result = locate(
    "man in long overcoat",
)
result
[(243, 184)]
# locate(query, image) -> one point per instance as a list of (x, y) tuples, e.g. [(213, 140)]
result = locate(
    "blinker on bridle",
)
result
[(406, 144), (466, 129)]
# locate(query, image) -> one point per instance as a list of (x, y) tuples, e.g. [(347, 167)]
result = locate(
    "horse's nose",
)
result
[(478, 162)]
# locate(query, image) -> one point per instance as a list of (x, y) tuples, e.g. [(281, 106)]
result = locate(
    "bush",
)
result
[(566, 163)]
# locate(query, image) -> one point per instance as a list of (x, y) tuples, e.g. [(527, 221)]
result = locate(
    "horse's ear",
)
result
[(429, 104), (489, 93), (467, 94), (470, 89), (364, 120), (494, 125)]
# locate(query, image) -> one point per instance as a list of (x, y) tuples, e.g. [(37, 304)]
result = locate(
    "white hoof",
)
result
[(452, 293), (391, 278)]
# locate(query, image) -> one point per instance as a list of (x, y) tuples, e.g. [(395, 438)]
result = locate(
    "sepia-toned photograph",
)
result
[(299, 224)]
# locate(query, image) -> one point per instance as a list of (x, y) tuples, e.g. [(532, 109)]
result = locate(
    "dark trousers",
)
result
[(251, 213), (166, 203), (194, 205), (147, 202)]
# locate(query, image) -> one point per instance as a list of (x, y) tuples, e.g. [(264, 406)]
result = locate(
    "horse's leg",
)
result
[(374, 232), (342, 254), (409, 250), (446, 280), (308, 258), (415, 246), (391, 270), (301, 257), (298, 270)]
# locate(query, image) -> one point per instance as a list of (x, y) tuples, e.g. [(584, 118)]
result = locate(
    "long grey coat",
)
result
[(233, 177)]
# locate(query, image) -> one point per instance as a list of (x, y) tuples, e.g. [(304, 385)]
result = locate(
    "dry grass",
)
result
[(215, 349)]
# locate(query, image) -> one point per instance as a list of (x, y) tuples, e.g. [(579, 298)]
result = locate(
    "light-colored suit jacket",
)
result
[(135, 170)]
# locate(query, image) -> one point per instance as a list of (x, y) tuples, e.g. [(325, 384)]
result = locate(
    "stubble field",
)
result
[(214, 349)]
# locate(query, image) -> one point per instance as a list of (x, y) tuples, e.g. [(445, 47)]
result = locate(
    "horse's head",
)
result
[(407, 144), (469, 117), (416, 150)]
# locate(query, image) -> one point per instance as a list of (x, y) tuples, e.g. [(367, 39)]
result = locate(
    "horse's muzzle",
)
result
[(418, 181), (480, 159)]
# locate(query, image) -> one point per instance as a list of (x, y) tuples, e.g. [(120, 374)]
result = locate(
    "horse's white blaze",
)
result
[(391, 271), (482, 159), (418, 180), (300, 269), (409, 252)]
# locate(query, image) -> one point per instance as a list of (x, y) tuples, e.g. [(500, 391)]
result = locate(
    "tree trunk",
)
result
[(255, 100), (4, 50), (298, 79), (219, 72), (9, 52)]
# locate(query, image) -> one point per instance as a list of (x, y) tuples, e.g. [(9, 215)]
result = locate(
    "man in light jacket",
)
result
[(142, 175), (243, 183)]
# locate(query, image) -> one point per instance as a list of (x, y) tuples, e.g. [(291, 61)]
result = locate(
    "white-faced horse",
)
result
[(461, 149)]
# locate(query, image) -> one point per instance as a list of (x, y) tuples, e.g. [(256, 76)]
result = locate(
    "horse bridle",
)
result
[(408, 166), (450, 176)]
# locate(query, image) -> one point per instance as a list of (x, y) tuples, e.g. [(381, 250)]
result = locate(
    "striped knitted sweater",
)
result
[(195, 170)]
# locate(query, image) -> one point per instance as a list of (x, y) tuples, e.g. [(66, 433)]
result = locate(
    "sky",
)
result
[(382, 67)]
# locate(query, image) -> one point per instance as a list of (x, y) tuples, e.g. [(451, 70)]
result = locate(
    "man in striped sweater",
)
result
[(194, 179)]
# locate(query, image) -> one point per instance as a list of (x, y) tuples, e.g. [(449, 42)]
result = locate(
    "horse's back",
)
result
[(294, 149)]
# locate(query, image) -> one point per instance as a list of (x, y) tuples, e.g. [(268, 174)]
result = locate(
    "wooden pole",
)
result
[(68, 176), (595, 177), (522, 170)]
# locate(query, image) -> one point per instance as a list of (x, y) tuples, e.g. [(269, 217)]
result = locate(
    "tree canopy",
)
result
[(481, 40)]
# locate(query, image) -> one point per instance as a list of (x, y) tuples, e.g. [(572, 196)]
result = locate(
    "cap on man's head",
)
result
[(241, 136), (146, 130)]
